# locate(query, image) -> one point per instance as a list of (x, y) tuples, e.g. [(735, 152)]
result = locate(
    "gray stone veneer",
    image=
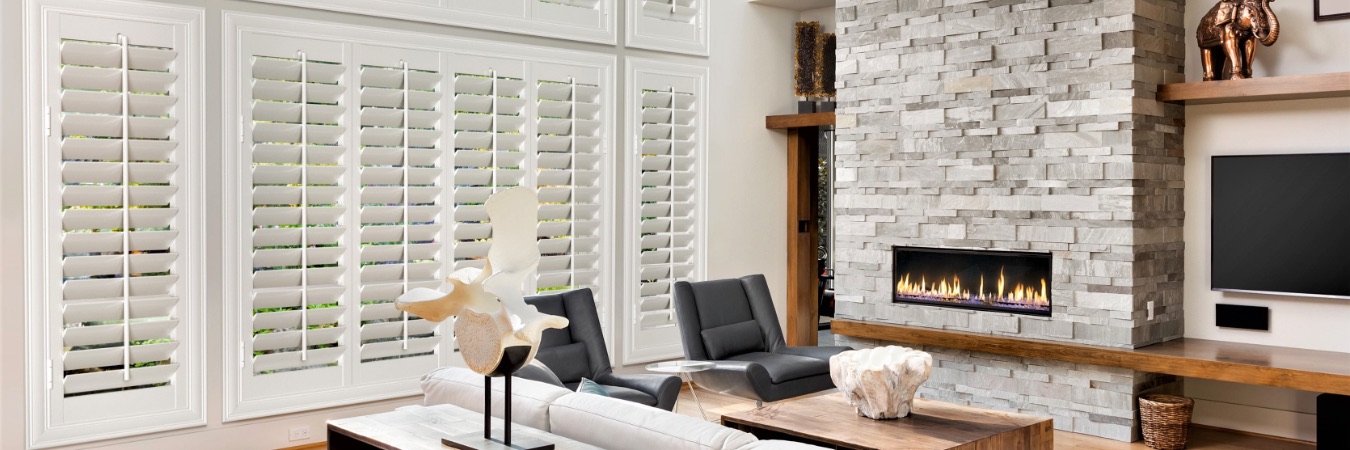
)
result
[(1017, 125)]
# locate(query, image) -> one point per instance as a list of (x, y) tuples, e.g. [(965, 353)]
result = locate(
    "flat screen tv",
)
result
[(1281, 224)]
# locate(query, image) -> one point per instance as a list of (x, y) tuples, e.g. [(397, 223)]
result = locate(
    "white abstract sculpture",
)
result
[(498, 332), (880, 382)]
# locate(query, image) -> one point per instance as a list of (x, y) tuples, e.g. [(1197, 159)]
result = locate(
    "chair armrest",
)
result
[(822, 352), (665, 388), (730, 372)]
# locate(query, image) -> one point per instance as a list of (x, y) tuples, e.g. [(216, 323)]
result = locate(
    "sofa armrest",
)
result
[(821, 352), (665, 388)]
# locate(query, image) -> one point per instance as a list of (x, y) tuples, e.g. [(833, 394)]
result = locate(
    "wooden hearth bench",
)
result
[(1293, 368)]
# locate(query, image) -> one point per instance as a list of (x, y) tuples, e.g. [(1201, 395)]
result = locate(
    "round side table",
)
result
[(684, 368)]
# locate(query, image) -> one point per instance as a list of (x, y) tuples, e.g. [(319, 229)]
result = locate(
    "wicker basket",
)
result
[(1166, 420)]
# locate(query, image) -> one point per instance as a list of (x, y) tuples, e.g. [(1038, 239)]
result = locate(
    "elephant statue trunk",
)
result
[(1273, 25)]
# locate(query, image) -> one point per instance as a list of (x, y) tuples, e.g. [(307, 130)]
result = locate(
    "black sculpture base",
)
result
[(513, 358), (475, 441)]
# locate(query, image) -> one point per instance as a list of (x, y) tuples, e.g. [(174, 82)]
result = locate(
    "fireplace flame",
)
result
[(951, 290)]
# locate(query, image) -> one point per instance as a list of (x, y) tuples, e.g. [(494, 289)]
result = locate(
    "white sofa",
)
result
[(596, 420)]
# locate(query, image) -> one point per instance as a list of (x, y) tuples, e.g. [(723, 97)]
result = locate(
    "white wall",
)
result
[(1302, 126), (823, 15), (750, 78)]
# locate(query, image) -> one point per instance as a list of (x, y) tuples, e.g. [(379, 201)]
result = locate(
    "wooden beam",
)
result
[(1294, 368), (802, 280), (789, 121), (1290, 87)]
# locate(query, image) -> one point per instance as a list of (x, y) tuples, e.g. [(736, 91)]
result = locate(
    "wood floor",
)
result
[(1201, 438)]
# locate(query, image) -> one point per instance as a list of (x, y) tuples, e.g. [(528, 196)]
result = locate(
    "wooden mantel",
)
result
[(1294, 368), (803, 139), (1289, 87), (790, 121)]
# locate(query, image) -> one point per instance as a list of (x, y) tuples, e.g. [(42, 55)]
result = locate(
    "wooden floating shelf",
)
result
[(1294, 368), (1292, 87), (787, 121)]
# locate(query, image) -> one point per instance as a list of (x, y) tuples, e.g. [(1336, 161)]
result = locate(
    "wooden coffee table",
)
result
[(827, 420), (422, 427)]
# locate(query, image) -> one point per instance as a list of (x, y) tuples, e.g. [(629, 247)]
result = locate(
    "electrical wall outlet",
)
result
[(1150, 310), (299, 433)]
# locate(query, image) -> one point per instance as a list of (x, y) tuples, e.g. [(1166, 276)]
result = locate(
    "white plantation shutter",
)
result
[(403, 205), (385, 146), (489, 146), (581, 20), (679, 26), (570, 151), (122, 281), (667, 151), (295, 133)]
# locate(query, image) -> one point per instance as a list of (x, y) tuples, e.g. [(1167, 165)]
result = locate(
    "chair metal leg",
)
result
[(759, 404)]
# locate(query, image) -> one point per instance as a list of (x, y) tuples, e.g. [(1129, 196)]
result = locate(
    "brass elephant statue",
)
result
[(1230, 31)]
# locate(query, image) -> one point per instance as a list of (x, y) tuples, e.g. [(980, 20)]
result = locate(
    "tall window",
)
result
[(667, 152), (679, 26), (364, 161), (117, 282)]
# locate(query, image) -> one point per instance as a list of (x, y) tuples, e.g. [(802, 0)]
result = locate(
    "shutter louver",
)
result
[(489, 155), (681, 11), (570, 148), (120, 206), (401, 206), (115, 314), (298, 197)]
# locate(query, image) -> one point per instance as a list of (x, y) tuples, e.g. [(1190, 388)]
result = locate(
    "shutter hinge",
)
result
[(50, 381), (242, 358), (241, 128), (47, 121)]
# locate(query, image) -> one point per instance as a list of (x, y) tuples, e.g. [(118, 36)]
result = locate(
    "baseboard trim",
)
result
[(314, 446), (1249, 433)]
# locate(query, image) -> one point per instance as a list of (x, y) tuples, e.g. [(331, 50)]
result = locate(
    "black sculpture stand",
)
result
[(513, 358)]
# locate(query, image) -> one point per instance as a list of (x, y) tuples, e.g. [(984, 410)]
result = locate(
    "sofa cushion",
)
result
[(783, 368), (730, 340), (568, 362), (463, 388), (612, 423)]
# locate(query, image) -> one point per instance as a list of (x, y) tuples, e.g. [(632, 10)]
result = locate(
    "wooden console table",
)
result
[(1294, 368), (827, 420)]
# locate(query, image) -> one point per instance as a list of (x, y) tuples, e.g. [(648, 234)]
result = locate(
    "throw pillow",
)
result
[(590, 387)]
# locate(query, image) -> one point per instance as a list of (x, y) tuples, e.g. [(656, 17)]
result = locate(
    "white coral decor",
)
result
[(880, 382)]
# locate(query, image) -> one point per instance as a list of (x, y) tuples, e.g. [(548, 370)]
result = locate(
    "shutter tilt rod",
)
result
[(492, 116), (407, 199), (671, 199), (126, 210), (572, 215), (304, 206)]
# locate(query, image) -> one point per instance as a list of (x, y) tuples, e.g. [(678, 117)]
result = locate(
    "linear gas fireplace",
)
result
[(1015, 282)]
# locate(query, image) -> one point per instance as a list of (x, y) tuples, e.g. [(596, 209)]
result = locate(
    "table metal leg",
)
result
[(690, 380)]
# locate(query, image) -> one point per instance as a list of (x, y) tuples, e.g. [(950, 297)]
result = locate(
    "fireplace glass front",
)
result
[(989, 280)]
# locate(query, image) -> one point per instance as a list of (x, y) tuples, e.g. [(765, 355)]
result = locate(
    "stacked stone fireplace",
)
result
[(1026, 126)]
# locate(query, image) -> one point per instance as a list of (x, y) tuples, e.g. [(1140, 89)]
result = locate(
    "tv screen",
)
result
[(1281, 224)]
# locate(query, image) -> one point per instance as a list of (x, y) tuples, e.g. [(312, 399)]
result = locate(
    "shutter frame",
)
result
[(547, 18), (65, 28), (364, 381), (650, 27), (682, 194)]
